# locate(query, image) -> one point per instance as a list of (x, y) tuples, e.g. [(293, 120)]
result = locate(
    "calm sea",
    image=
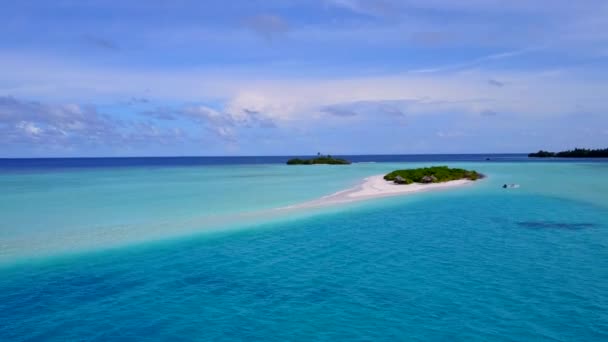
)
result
[(194, 248)]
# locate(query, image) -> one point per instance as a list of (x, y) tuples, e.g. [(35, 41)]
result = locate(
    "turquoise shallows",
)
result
[(200, 253)]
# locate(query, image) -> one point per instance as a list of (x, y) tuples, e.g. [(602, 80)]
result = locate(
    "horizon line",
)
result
[(275, 155)]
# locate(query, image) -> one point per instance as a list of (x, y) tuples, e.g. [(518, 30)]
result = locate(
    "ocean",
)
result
[(196, 248)]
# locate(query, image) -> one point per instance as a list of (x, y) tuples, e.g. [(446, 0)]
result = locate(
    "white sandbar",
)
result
[(375, 187)]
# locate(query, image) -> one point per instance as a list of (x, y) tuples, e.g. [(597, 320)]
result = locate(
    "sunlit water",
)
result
[(201, 253)]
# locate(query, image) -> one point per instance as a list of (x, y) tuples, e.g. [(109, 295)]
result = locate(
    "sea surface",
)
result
[(199, 249)]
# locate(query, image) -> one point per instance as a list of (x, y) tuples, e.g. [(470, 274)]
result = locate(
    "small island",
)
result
[(419, 180), (576, 153), (435, 174), (320, 159)]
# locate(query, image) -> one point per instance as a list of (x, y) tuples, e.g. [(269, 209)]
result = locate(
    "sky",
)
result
[(297, 77)]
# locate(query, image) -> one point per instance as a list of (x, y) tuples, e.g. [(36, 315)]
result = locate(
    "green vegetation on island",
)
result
[(576, 153), (542, 154), (320, 159), (435, 174)]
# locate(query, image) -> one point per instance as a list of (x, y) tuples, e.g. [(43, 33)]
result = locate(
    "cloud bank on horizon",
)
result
[(271, 77)]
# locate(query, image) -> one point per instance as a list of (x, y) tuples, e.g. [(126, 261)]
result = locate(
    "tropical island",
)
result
[(320, 159), (435, 174), (576, 153), (422, 179)]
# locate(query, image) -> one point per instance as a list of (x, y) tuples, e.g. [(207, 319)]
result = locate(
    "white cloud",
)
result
[(29, 128), (67, 125), (451, 134), (530, 93)]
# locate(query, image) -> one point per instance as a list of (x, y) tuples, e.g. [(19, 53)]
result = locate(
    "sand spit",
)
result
[(376, 187)]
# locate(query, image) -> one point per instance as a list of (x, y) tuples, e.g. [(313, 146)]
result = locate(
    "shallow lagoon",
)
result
[(200, 253)]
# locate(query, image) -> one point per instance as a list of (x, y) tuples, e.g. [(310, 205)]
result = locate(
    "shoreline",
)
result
[(375, 187)]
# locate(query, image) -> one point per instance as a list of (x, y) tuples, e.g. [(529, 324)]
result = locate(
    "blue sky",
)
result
[(288, 77)]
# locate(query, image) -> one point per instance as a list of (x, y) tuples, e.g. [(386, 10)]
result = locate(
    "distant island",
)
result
[(576, 153), (435, 174), (320, 159)]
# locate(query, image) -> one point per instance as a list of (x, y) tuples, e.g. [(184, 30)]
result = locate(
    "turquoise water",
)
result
[(200, 253)]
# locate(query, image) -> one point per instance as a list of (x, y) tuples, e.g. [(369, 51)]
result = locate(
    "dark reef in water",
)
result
[(556, 225)]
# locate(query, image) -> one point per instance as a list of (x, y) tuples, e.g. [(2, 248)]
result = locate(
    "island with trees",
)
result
[(576, 153), (435, 174), (319, 159)]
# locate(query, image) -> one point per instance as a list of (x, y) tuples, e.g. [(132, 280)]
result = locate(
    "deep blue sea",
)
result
[(194, 249)]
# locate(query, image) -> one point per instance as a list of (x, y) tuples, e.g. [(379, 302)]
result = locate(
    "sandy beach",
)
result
[(376, 187)]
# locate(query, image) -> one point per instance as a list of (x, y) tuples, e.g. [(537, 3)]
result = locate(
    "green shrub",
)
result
[(541, 154), (441, 173), (319, 160), (576, 153)]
